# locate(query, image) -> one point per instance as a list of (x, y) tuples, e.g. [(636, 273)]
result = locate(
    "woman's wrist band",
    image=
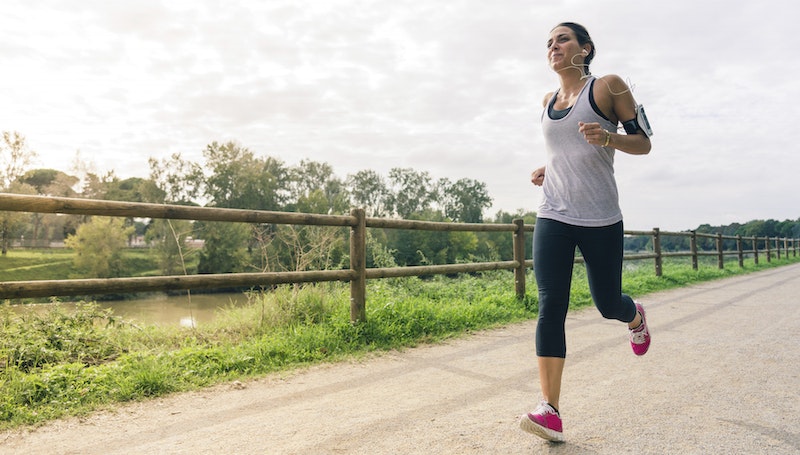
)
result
[(608, 138)]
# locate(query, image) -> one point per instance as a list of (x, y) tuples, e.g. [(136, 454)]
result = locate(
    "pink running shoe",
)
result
[(543, 422), (640, 336)]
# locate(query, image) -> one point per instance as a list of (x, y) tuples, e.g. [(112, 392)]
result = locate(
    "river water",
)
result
[(162, 309)]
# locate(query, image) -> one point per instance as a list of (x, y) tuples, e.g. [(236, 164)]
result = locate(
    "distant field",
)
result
[(56, 264), (44, 264)]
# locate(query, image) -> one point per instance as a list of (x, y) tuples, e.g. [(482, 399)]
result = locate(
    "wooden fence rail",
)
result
[(356, 275)]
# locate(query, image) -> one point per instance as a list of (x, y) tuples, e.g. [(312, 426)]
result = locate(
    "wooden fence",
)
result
[(772, 246), (357, 274)]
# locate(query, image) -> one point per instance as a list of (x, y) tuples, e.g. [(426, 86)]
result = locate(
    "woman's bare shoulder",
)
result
[(613, 83), (547, 98)]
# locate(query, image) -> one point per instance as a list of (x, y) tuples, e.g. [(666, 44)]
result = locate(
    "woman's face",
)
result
[(563, 50)]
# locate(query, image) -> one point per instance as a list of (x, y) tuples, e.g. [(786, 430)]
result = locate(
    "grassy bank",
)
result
[(57, 264), (22, 265), (60, 363)]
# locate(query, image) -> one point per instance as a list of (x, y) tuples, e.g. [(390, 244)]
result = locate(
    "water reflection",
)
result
[(183, 310)]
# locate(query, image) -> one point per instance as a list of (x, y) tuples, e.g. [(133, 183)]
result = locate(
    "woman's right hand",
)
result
[(537, 176)]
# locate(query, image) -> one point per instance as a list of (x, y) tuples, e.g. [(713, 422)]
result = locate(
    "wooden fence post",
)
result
[(657, 249), (769, 249), (786, 247), (693, 247), (755, 250), (740, 250), (778, 246), (720, 252), (519, 256), (358, 264)]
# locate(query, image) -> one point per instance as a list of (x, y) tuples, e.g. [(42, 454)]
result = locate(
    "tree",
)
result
[(313, 188), (310, 247), (368, 190), (419, 247), (237, 179), (92, 184), (464, 200), (98, 245), (175, 180), (225, 247), (461, 246), (500, 245), (15, 157), (96, 186), (134, 189), (167, 239), (48, 182), (411, 191), (13, 223)]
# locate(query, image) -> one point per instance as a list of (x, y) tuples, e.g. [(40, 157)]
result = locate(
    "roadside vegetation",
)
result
[(61, 363), (71, 361)]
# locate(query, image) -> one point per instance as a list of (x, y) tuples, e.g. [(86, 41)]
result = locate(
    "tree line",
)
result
[(754, 228), (232, 176)]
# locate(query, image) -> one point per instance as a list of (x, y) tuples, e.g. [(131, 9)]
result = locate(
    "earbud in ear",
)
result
[(586, 52)]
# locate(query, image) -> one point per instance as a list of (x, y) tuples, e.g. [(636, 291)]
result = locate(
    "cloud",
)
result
[(453, 88)]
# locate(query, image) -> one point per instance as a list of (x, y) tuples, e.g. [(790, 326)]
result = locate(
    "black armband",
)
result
[(638, 123), (631, 127)]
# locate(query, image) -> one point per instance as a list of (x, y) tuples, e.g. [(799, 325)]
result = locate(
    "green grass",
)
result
[(57, 264), (23, 265), (59, 363)]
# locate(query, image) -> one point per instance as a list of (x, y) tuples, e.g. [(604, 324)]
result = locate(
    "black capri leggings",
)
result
[(554, 245)]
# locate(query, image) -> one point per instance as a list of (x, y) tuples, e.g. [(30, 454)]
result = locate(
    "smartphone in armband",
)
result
[(638, 123), (641, 119)]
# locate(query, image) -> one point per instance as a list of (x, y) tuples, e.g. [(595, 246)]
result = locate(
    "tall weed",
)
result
[(35, 339)]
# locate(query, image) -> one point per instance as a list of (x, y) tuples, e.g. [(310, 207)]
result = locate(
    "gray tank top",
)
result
[(579, 186)]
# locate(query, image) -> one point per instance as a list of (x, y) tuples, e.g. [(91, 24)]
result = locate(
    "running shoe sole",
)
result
[(534, 428)]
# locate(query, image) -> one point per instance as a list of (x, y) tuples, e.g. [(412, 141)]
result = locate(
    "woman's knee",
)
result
[(612, 309), (617, 308)]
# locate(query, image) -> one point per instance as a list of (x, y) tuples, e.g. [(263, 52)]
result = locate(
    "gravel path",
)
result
[(722, 377)]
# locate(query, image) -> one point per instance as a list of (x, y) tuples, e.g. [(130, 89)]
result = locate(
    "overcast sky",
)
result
[(451, 87)]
